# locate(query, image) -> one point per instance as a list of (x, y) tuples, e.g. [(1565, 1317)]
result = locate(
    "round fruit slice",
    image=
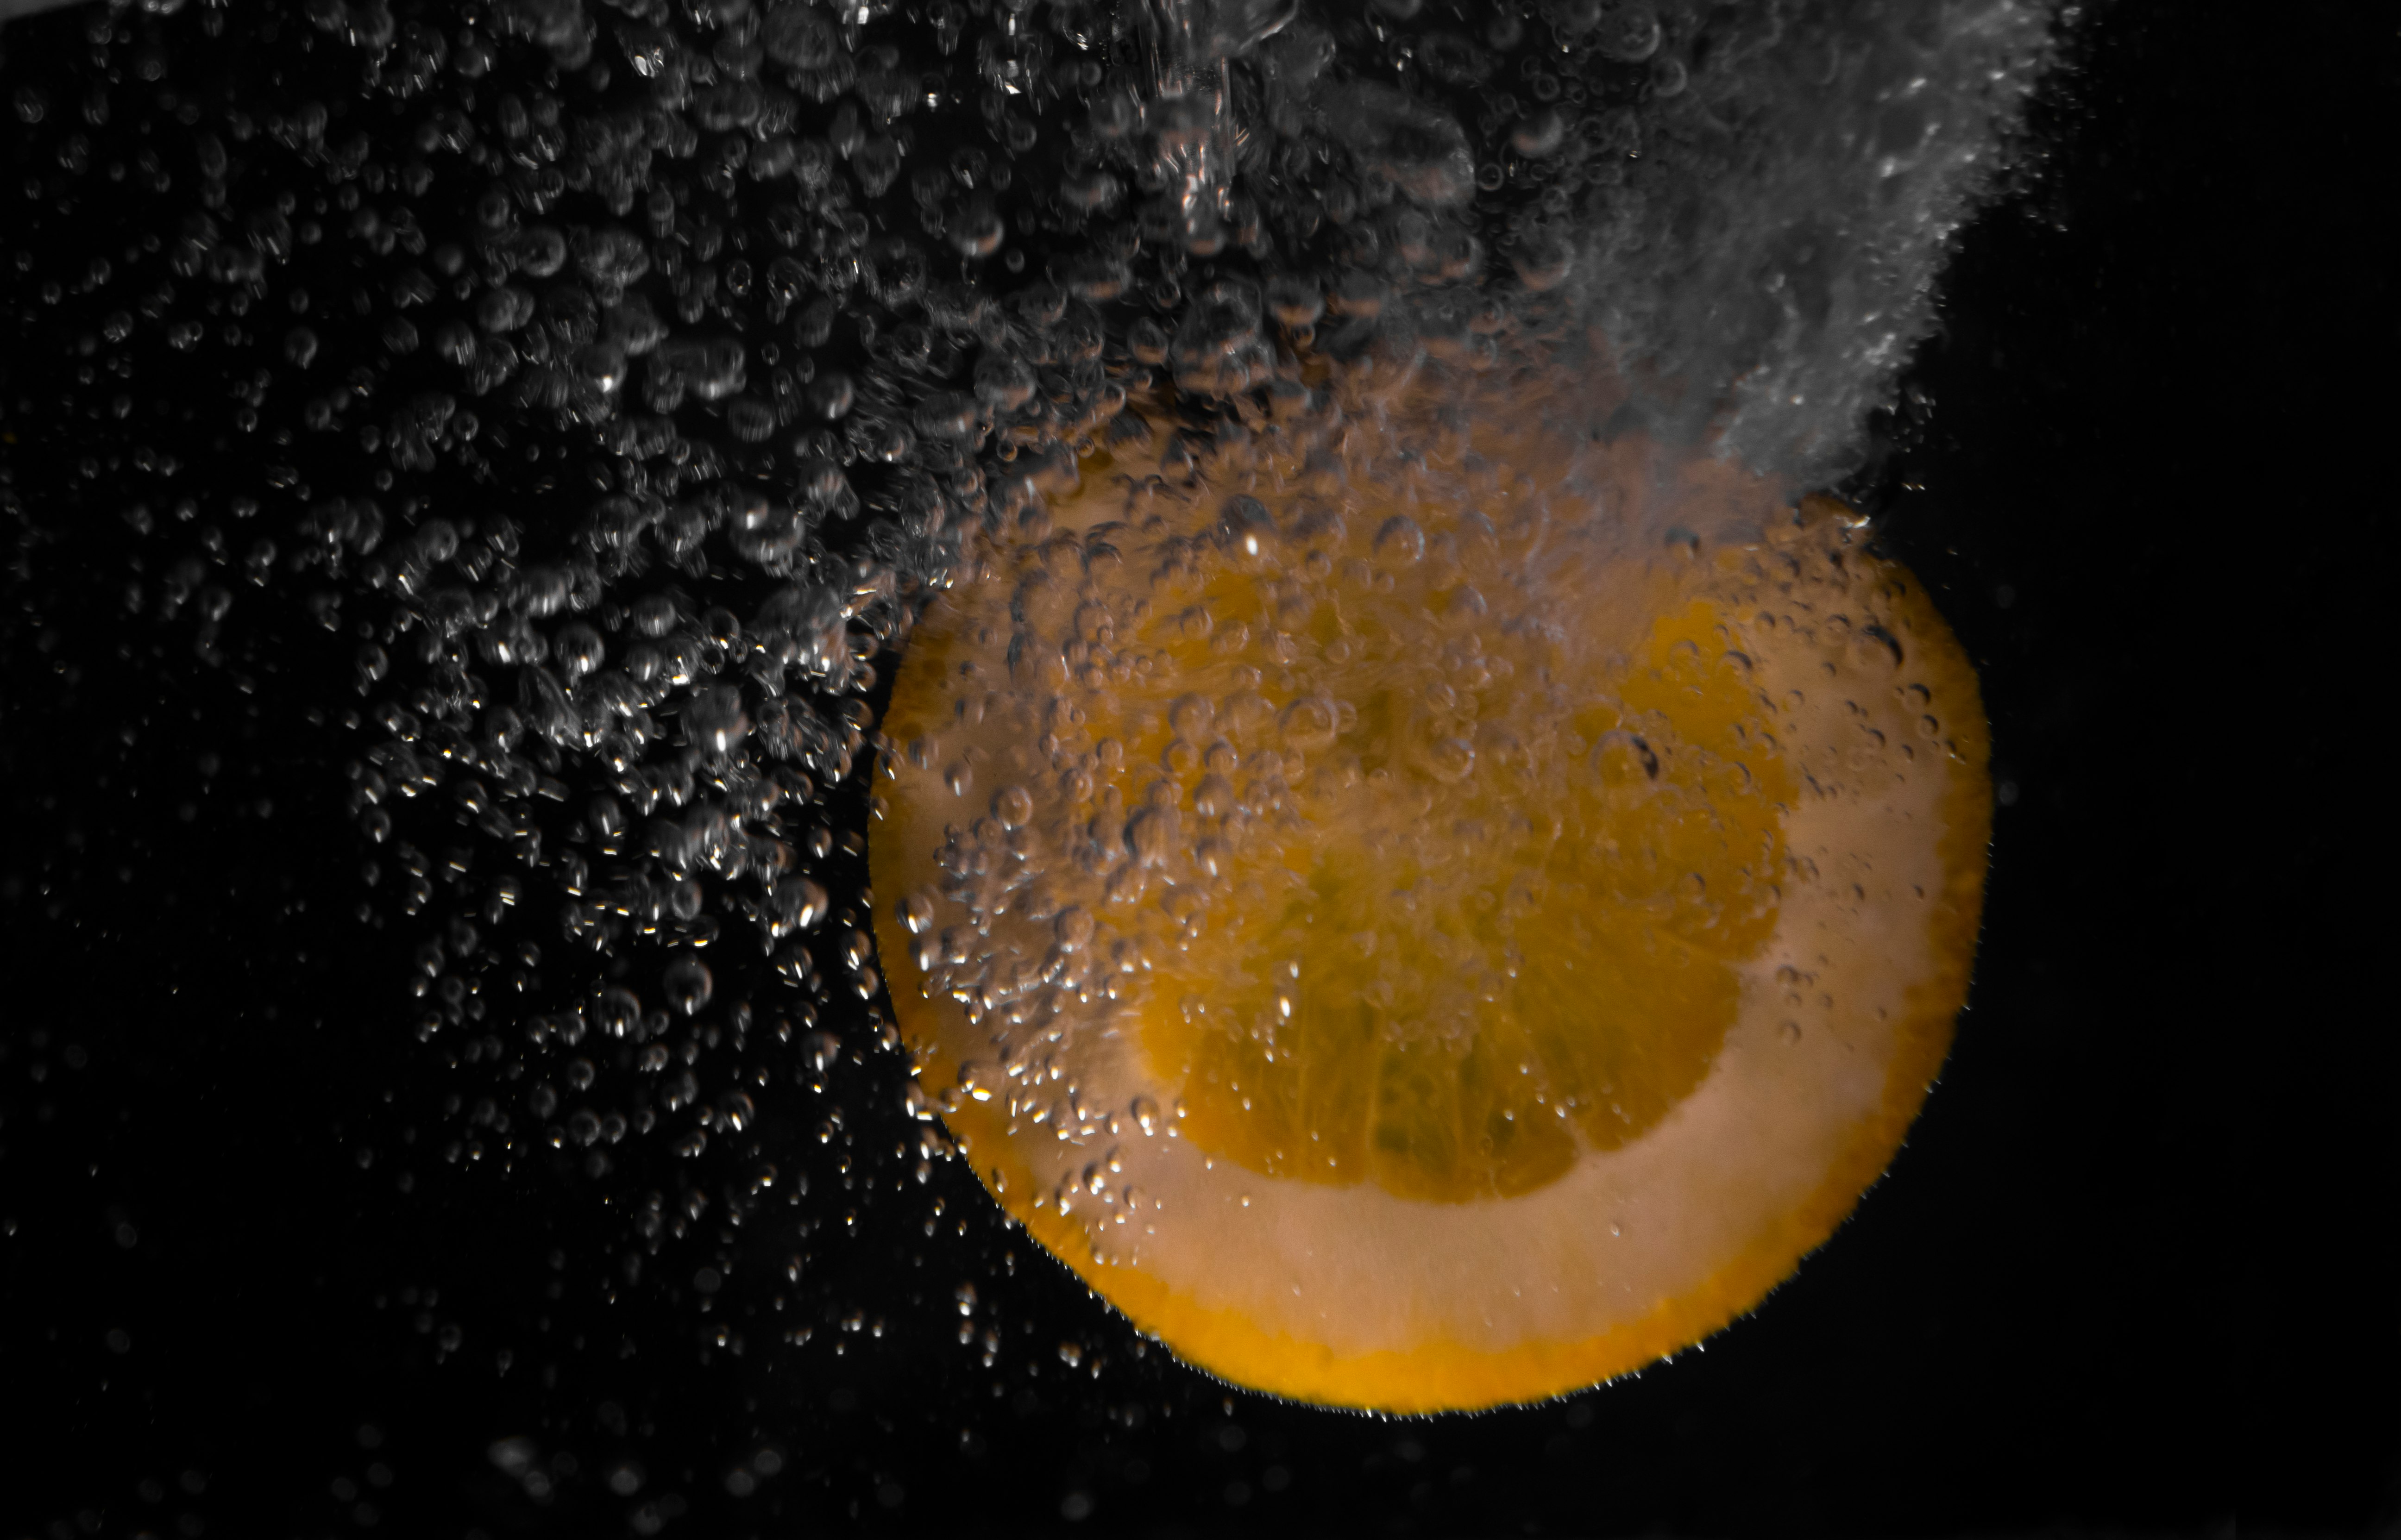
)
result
[(1434, 947)]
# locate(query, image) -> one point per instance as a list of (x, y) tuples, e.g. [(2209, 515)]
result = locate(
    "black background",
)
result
[(2134, 1270)]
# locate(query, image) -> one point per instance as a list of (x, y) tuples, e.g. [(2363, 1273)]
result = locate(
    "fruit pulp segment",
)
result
[(1479, 940)]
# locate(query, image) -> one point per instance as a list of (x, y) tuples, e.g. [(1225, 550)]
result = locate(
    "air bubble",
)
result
[(688, 985)]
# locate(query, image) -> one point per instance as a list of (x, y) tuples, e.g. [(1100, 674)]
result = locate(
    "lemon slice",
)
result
[(1429, 949)]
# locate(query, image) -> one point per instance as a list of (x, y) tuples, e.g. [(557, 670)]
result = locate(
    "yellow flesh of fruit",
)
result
[(1449, 983), (1429, 959)]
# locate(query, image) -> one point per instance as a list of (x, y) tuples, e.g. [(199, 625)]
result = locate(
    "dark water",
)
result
[(465, 473)]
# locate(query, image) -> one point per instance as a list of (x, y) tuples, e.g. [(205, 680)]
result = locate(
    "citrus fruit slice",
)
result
[(1429, 947)]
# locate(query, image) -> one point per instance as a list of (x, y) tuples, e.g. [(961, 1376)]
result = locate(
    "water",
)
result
[(615, 383)]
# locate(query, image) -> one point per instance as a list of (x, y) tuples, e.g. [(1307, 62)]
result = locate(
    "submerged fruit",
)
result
[(1434, 947)]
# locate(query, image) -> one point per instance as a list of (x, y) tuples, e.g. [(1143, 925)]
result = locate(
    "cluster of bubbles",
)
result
[(819, 294), (710, 337)]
